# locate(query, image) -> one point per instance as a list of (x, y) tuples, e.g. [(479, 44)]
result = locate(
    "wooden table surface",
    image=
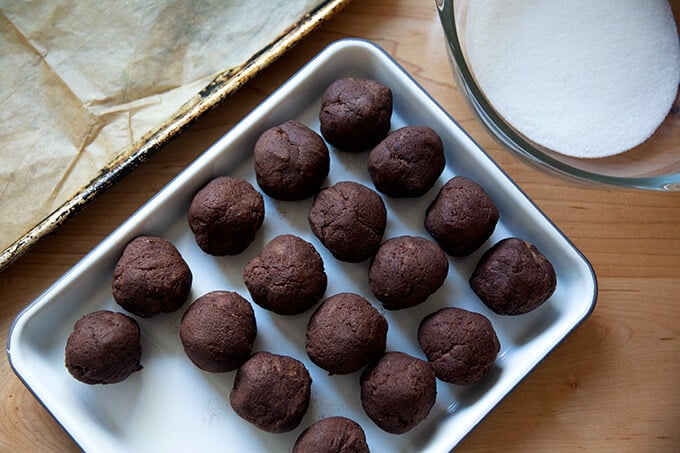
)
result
[(610, 386)]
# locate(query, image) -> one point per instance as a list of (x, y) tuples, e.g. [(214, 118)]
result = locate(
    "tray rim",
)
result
[(236, 130), (226, 83)]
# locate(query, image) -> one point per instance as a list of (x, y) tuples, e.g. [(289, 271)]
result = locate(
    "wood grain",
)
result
[(610, 387)]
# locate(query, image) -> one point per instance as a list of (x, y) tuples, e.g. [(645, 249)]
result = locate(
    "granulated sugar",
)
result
[(586, 78)]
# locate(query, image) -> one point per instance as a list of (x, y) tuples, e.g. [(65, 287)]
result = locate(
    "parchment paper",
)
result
[(82, 80)]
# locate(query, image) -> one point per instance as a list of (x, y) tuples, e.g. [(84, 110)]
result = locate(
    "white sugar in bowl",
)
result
[(586, 89)]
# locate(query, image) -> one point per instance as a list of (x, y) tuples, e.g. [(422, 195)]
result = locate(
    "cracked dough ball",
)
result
[(218, 331), (332, 435), (462, 217), (461, 345), (151, 277), (345, 333), (398, 391), (287, 277), (349, 219), (355, 113), (225, 215), (408, 162), (291, 161), (104, 348), (513, 277), (271, 392), (406, 271)]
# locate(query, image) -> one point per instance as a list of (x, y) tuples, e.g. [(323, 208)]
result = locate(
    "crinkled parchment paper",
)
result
[(82, 80)]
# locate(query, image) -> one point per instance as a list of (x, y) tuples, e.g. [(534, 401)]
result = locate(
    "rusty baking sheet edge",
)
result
[(222, 86)]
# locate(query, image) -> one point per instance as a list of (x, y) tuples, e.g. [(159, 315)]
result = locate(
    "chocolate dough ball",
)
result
[(408, 162), (462, 217), (349, 219), (345, 333), (291, 161), (287, 277), (225, 215), (406, 271), (461, 345), (218, 331), (355, 113), (151, 277), (271, 392), (513, 277), (332, 435), (398, 391), (104, 348)]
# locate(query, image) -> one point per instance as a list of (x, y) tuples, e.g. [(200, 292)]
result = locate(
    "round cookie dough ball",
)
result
[(462, 217), (225, 215), (345, 333), (461, 345), (406, 271), (104, 348), (513, 277), (349, 219), (355, 113), (408, 162), (218, 331), (332, 435), (287, 277), (271, 392), (398, 391), (151, 277), (291, 161)]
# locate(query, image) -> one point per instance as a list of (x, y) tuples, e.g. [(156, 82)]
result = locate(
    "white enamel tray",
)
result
[(173, 406)]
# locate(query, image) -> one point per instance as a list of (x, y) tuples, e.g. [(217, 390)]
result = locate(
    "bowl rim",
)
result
[(512, 140)]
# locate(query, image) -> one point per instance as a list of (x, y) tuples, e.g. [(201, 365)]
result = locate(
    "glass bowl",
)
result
[(653, 165)]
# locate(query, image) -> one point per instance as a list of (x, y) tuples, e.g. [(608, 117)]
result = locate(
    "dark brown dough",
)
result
[(406, 271), (151, 277), (104, 348), (225, 215), (461, 345), (349, 219), (332, 435), (287, 277), (271, 392), (462, 217), (513, 277), (355, 113), (407, 162), (345, 333), (218, 331), (291, 161), (398, 391)]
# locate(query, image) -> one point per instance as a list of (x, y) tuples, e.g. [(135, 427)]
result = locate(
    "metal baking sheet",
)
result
[(173, 406), (224, 84)]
